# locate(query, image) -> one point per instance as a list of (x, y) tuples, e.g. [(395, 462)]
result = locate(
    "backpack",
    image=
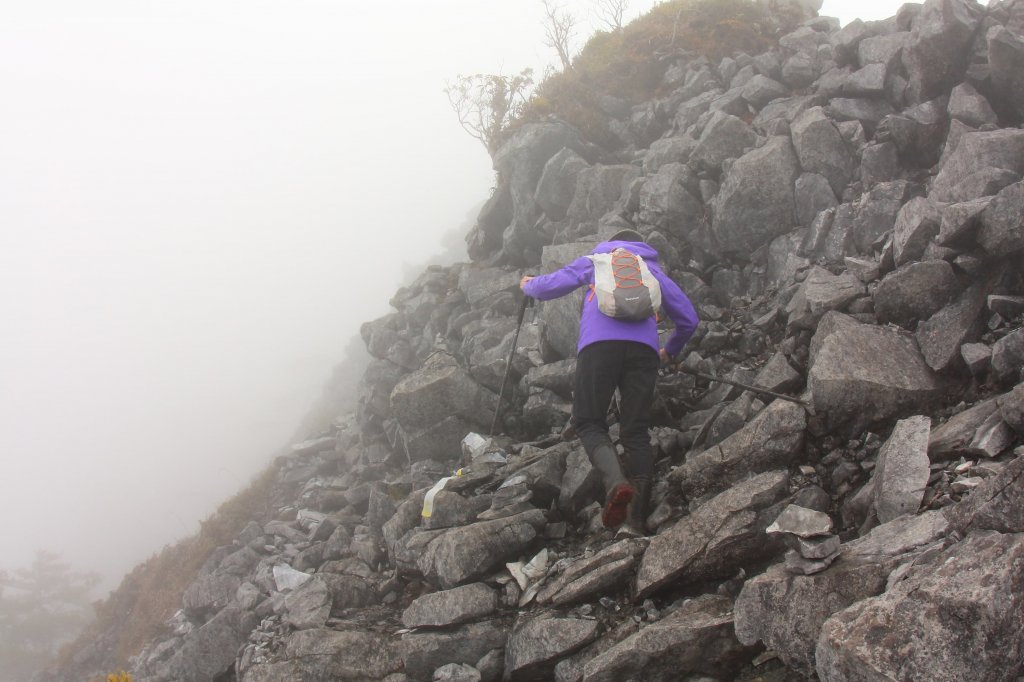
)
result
[(624, 285)]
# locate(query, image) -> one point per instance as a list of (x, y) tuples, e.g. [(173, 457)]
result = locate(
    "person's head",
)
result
[(626, 235)]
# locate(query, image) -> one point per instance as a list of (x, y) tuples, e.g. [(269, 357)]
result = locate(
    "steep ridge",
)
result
[(845, 211)]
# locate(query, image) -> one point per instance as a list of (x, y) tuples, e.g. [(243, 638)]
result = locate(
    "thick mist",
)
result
[(200, 203)]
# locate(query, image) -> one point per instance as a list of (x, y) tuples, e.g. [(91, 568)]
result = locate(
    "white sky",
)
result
[(200, 202)]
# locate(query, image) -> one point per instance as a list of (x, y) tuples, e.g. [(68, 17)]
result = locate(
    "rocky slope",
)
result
[(845, 211)]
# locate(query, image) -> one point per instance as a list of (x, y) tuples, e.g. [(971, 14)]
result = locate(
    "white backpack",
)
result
[(624, 285)]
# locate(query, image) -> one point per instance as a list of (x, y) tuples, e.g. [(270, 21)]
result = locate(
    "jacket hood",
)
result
[(645, 251)]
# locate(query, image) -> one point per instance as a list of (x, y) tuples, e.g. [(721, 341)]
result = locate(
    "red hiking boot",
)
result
[(616, 505)]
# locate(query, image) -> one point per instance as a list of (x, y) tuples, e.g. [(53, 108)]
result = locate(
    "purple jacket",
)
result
[(595, 325)]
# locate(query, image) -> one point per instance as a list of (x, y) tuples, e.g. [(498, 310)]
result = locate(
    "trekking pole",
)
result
[(508, 364), (755, 389)]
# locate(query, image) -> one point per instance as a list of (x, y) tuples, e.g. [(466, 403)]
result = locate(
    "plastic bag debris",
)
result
[(428, 500), (287, 578), (474, 445)]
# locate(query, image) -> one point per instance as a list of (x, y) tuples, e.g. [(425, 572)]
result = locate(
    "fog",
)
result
[(200, 202)]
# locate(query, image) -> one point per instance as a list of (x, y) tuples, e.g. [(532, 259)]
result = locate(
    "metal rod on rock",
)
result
[(731, 382), (527, 301)]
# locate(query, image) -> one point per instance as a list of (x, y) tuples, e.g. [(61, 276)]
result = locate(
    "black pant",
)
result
[(632, 368)]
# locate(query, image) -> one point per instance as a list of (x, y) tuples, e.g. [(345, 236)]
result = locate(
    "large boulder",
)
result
[(998, 504), (941, 336), (821, 149), (669, 203), (537, 644), (464, 554), (953, 616), (757, 201), (1001, 232), (724, 137), (557, 184), (915, 292), (939, 48), (209, 651), (598, 191), (771, 440), (1006, 60), (902, 472), (560, 317), (786, 611), (323, 654), (723, 532), (425, 651), (916, 225), (976, 151), (821, 292), (861, 374), (695, 640)]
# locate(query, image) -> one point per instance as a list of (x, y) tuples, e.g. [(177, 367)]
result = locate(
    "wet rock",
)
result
[(883, 49), (696, 639), (598, 191), (919, 132), (463, 554), (861, 374), (786, 611), (769, 441), (977, 357), (534, 646), (756, 202), (450, 607), (915, 292), (936, 619), (329, 654), (669, 150), (309, 606), (209, 594), (726, 530)]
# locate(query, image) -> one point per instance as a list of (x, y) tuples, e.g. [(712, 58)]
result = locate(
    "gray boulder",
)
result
[(970, 106), (883, 49), (940, 619), (559, 318), (760, 90), (598, 191), (1011, 407), (951, 439), (585, 576), (694, 641), (667, 202), (1006, 61), (450, 607), (786, 611), (721, 533), (209, 651), (938, 53), (536, 645), (1008, 356), (208, 594), (813, 195), (915, 292), (903, 469), (463, 554), (309, 606), (769, 441), (941, 335), (1000, 232), (676, 149), (819, 293), (875, 214), (976, 151), (724, 137), (916, 225), (757, 201), (425, 651), (861, 374), (557, 184), (821, 149), (960, 221), (998, 504)]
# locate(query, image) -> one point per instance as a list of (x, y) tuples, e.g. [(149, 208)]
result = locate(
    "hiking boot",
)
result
[(636, 519), (618, 490)]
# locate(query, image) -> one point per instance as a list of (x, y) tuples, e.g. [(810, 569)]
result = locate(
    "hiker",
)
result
[(621, 354)]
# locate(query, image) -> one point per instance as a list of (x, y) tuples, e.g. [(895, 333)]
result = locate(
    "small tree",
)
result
[(611, 13), (41, 607), (487, 103), (559, 27)]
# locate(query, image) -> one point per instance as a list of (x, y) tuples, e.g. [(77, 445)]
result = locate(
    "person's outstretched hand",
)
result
[(663, 354), (523, 281)]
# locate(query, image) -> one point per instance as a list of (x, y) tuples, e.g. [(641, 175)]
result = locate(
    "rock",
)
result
[(756, 202), (1006, 60), (581, 484), (667, 202), (557, 377), (942, 334), (534, 646), (937, 55), (813, 195), (427, 650), (883, 49), (1000, 232), (879, 163), (916, 225), (481, 285), (977, 357), (876, 213), (861, 374), (586, 576), (557, 183), (951, 439), (992, 438), (866, 82), (998, 504), (695, 641), (915, 292), (819, 548), (919, 132), (869, 112), (208, 594), (786, 611), (209, 651), (309, 605), (959, 221), (821, 149), (903, 469), (456, 672), (463, 554), (1008, 356), (761, 89), (848, 38), (970, 106), (804, 523), (936, 619), (1002, 149), (598, 191), (821, 292), (1011, 408), (769, 441), (724, 137), (667, 150), (450, 607), (778, 375), (559, 318), (707, 544)]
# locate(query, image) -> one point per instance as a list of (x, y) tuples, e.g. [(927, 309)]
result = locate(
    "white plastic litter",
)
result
[(287, 578), (516, 569), (428, 501), (515, 480), (537, 566), (474, 445)]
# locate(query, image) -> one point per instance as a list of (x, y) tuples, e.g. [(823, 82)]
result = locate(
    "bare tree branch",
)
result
[(611, 12), (486, 104), (558, 30)]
